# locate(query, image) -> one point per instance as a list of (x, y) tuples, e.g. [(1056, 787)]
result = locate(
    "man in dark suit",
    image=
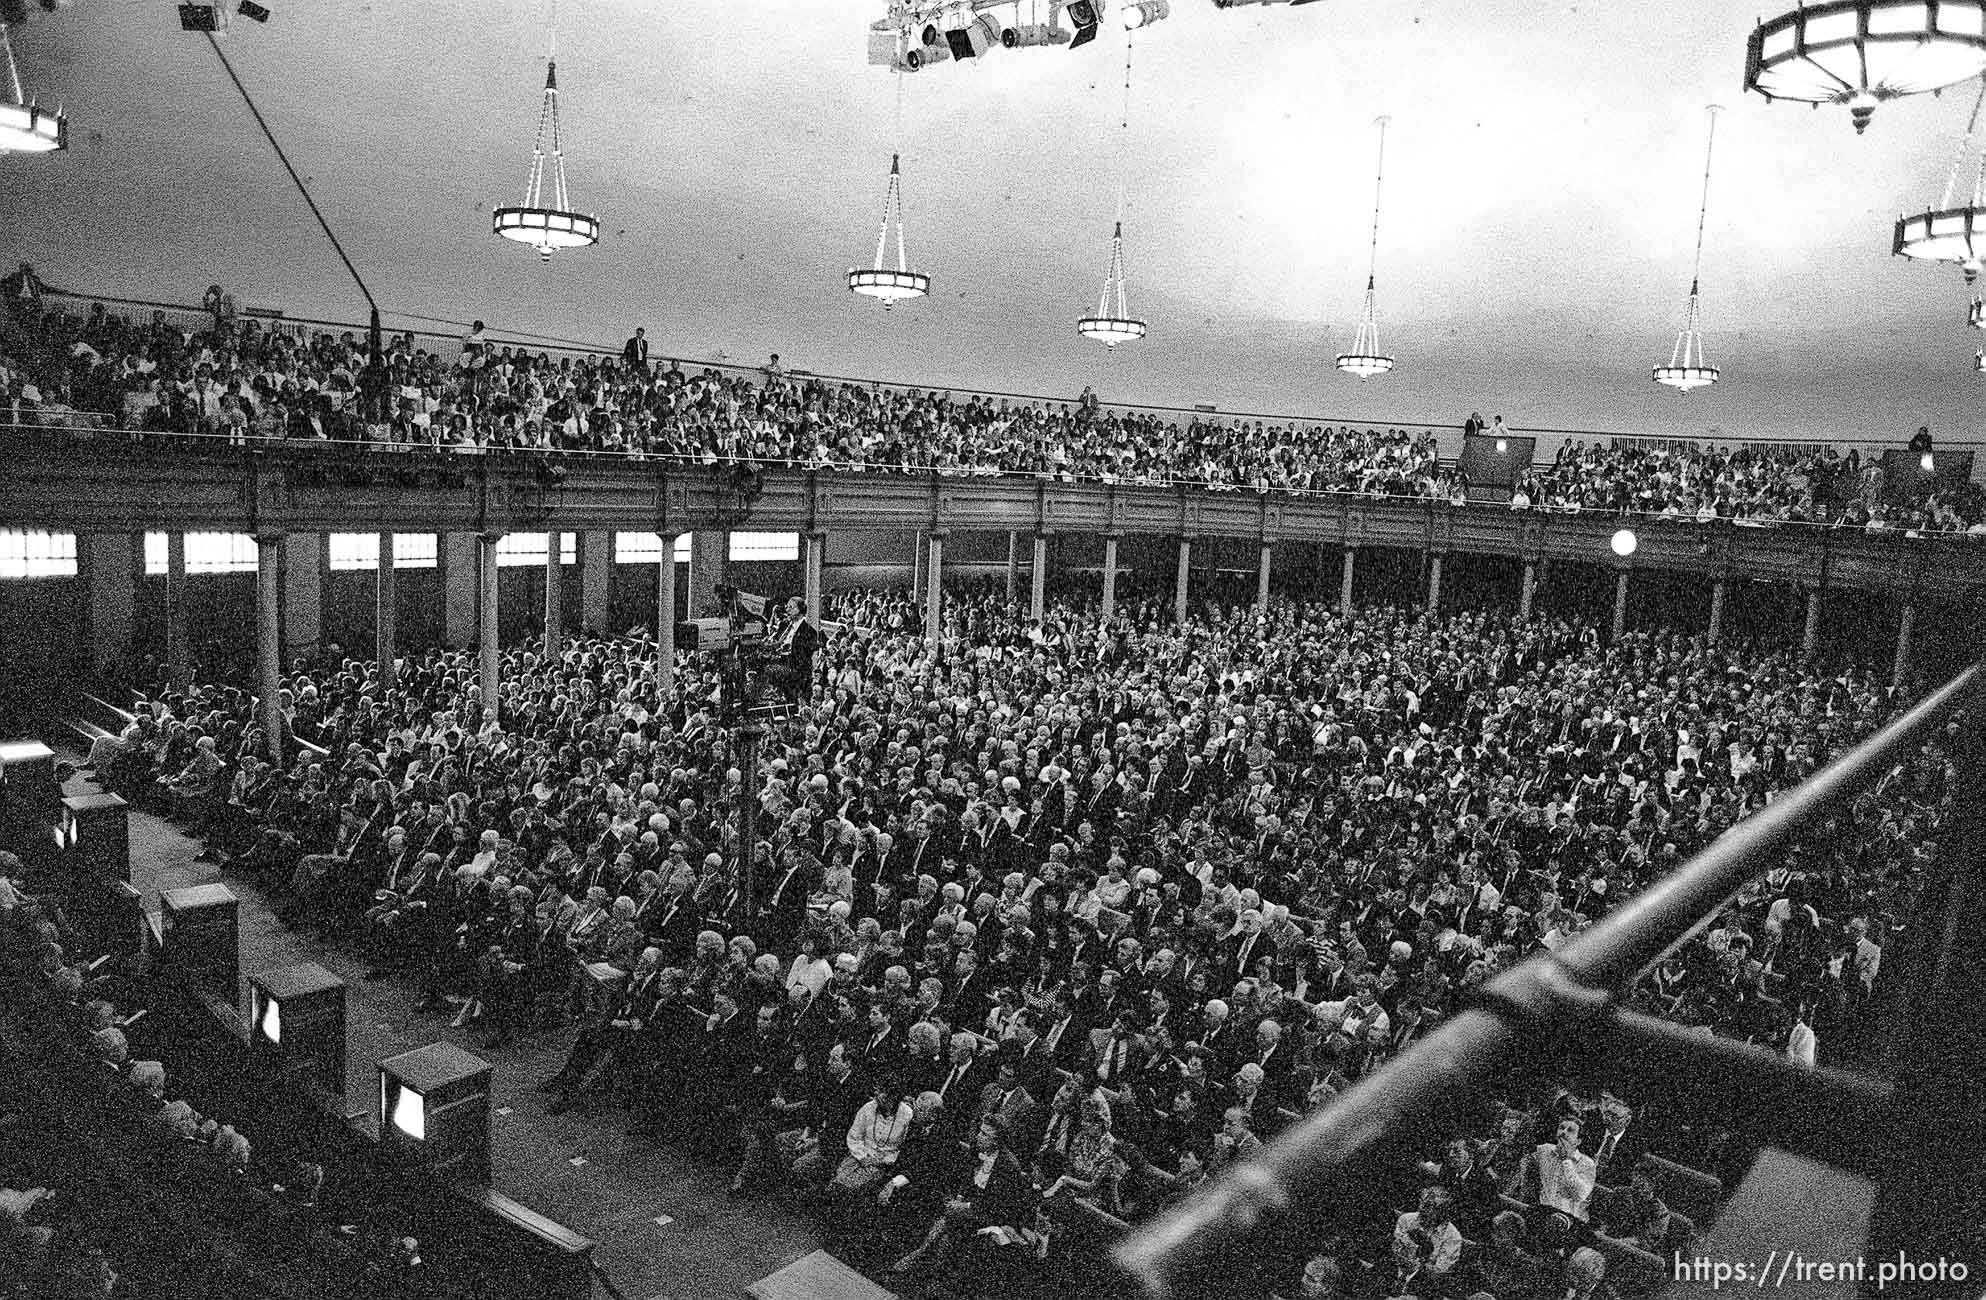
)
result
[(635, 353), (1010, 1098), (996, 1194)]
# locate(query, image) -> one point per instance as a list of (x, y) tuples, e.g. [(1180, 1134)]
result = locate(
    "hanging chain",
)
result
[(1964, 144), (1378, 180), (1702, 210)]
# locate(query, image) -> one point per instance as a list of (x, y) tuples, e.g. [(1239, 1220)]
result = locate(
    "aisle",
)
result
[(583, 1171)]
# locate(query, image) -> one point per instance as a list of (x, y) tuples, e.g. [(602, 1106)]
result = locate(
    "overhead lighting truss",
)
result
[(972, 29), (25, 126)]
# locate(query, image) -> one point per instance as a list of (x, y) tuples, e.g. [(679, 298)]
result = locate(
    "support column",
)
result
[(813, 557), (303, 593), (709, 551), (1182, 580), (486, 621), (934, 589), (1038, 579), (1345, 589), (1528, 590), (178, 653), (110, 562), (1810, 637), (1434, 582), (458, 589), (1262, 579), (1904, 630), (1013, 562), (385, 635), (596, 576), (554, 594), (1620, 604), (665, 619), (1109, 575), (269, 643), (917, 566), (1716, 632)]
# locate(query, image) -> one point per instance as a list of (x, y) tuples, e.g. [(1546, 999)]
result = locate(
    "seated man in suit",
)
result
[(996, 1194)]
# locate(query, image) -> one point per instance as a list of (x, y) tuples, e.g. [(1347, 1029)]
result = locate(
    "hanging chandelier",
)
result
[(1687, 368), (1365, 359), (878, 281), (1861, 53), (547, 222), (1113, 322), (27, 127), (1951, 233)]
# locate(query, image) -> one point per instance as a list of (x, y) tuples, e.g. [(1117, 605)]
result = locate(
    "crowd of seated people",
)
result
[(1814, 485), (51, 1247), (1052, 920), (248, 382)]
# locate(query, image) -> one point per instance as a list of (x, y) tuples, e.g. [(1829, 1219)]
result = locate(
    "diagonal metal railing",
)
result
[(1919, 1136)]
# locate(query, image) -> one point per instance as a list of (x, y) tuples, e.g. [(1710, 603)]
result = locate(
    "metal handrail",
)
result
[(219, 442), (1528, 1018)]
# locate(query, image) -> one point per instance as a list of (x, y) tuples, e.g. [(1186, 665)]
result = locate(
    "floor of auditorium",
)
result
[(666, 1228)]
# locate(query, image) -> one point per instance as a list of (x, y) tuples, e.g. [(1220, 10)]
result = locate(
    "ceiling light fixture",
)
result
[(1861, 53), (25, 126), (1975, 317), (878, 281), (1687, 368), (1949, 233), (547, 225), (1365, 359), (1113, 322), (1143, 13)]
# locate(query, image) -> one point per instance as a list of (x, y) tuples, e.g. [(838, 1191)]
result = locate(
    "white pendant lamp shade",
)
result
[(1366, 358), (1862, 53), (880, 282), (546, 220), (1687, 370), (1113, 322)]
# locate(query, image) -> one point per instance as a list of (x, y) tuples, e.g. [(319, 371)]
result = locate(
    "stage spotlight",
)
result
[(1143, 13), (974, 37), (253, 12), (1084, 16), (203, 18), (1033, 34)]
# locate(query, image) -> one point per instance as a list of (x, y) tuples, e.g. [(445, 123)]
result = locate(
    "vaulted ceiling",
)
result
[(1542, 177)]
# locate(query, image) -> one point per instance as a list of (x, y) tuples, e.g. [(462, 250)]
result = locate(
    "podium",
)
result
[(200, 927), (95, 831), (434, 1111), (296, 1023)]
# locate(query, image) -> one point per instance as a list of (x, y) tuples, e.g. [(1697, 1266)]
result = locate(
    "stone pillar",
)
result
[(385, 593), (934, 589), (1434, 582), (459, 585), (554, 594), (303, 593), (665, 619), (1620, 604), (1810, 637), (1182, 580), (596, 577), (1109, 575), (1526, 592), (1038, 578), (486, 621), (709, 550), (1262, 579), (110, 563), (813, 556), (1716, 632), (1904, 630), (178, 652), (1013, 562), (1345, 588), (269, 643)]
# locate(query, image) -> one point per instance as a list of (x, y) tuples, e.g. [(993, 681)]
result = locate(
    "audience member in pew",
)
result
[(1558, 1175)]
